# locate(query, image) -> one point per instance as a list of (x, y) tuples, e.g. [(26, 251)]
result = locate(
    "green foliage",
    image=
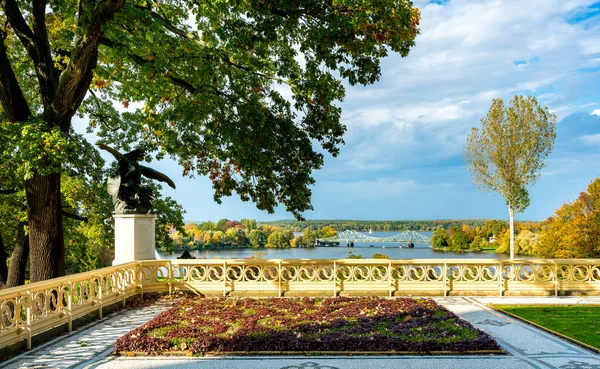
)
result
[(380, 256), (478, 244), (198, 81), (495, 227), (459, 241), (257, 238), (355, 256), (439, 238), (279, 239), (225, 118), (507, 153), (235, 237), (249, 224), (221, 224), (309, 237)]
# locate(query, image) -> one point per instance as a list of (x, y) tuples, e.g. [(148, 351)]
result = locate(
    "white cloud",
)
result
[(379, 187), (590, 46), (591, 139), (468, 53), (407, 115), (596, 112)]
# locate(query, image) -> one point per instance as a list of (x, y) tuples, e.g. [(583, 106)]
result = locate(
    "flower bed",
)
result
[(269, 325)]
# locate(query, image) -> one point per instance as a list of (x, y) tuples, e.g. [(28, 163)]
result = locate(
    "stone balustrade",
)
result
[(34, 308)]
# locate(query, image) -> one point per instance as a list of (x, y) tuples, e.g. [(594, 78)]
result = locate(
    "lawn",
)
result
[(580, 322), (199, 326)]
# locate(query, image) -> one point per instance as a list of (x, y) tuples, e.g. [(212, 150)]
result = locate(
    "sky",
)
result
[(403, 153)]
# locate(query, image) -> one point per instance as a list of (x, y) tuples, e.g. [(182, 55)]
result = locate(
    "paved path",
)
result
[(87, 344), (527, 347)]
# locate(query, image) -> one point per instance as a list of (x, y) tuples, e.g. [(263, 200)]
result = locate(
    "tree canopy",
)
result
[(573, 231), (235, 90), (507, 153)]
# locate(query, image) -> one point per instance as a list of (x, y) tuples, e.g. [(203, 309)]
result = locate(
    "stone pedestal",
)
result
[(134, 237)]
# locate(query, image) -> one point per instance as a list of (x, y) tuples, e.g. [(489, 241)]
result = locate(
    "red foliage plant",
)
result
[(213, 325)]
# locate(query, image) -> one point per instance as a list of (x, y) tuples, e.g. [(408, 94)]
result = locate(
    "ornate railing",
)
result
[(31, 309)]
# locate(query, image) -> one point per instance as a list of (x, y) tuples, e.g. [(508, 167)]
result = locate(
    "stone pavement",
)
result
[(526, 346)]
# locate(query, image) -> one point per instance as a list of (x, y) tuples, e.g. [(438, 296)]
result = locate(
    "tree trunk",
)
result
[(511, 213), (3, 265), (45, 227), (18, 261)]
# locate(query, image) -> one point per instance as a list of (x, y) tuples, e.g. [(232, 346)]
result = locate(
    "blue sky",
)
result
[(402, 157)]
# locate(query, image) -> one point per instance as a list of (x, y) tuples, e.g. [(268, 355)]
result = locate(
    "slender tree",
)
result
[(507, 153), (201, 81)]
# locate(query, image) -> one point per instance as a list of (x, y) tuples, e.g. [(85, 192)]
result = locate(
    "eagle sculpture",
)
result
[(129, 196)]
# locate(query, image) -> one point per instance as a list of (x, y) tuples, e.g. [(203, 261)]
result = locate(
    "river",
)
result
[(420, 251)]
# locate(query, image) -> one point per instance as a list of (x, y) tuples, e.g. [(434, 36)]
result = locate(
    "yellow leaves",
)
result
[(99, 82), (571, 231)]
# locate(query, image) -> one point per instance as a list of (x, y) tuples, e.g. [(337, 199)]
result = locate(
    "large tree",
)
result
[(507, 153), (202, 82), (573, 231), (87, 227)]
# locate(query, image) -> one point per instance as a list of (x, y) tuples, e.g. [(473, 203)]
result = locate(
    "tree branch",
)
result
[(44, 64), (101, 117), (17, 22), (36, 43), (170, 26), (141, 61), (74, 216), (11, 96), (75, 80)]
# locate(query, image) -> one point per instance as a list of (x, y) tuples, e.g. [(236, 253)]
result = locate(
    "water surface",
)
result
[(420, 251)]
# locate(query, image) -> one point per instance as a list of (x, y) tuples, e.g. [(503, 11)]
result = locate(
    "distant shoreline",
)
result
[(370, 220)]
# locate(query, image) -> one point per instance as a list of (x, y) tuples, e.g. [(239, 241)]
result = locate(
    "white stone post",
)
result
[(134, 237)]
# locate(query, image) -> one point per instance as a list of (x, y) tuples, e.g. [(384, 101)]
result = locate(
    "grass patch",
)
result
[(199, 326), (580, 322)]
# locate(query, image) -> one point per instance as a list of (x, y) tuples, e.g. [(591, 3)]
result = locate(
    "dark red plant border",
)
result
[(203, 326)]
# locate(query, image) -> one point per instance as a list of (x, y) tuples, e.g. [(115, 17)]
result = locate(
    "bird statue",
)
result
[(129, 196)]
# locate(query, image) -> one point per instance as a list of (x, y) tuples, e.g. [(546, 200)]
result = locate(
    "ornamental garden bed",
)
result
[(241, 326)]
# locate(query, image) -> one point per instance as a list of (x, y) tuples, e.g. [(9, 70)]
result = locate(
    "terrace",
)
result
[(33, 310)]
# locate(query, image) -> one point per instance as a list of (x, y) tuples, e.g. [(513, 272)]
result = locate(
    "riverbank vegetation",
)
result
[(200, 326), (243, 233), (573, 231), (492, 236)]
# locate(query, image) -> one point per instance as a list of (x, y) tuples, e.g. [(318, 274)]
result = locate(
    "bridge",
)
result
[(353, 236)]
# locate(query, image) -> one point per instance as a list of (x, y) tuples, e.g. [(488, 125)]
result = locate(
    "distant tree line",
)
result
[(240, 234), (375, 225)]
